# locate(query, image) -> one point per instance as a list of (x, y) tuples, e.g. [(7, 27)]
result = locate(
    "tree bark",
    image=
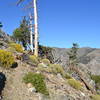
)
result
[(35, 29), (31, 34)]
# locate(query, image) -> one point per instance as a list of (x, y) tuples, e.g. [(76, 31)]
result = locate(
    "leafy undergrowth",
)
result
[(51, 68), (35, 60), (75, 84), (96, 78), (67, 76), (37, 80), (96, 97), (46, 62), (16, 46), (6, 59)]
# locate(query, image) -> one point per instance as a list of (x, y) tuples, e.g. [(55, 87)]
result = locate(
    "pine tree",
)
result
[(73, 61), (1, 25), (21, 34)]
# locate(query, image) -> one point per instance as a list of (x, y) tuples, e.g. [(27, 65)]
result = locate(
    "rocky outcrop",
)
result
[(4, 39)]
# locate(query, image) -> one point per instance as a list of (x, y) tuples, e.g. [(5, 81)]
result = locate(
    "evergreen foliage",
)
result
[(1, 24), (73, 55), (22, 33), (37, 80)]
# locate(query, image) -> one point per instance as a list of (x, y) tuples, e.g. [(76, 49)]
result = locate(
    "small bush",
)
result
[(52, 68), (10, 49), (6, 59), (67, 76), (56, 68), (75, 84), (46, 61), (34, 59), (41, 67), (96, 78), (17, 47), (28, 78), (96, 97), (37, 80)]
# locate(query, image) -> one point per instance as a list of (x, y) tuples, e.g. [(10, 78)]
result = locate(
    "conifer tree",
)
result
[(73, 61), (21, 34)]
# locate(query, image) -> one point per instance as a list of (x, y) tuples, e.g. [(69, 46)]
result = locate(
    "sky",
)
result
[(61, 22)]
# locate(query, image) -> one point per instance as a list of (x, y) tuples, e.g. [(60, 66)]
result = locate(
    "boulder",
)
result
[(32, 89)]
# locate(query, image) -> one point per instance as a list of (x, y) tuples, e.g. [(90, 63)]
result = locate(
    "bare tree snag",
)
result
[(35, 29), (31, 33)]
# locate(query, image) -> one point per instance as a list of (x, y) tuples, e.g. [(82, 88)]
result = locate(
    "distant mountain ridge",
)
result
[(89, 57)]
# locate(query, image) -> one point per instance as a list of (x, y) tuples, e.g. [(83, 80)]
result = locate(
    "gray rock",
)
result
[(59, 76), (3, 45), (94, 66), (33, 90), (4, 37), (58, 97), (25, 57)]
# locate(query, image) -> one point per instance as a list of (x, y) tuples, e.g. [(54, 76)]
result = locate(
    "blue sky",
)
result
[(61, 22)]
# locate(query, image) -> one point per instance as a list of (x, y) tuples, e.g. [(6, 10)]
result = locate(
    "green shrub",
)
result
[(11, 49), (70, 72), (52, 68), (41, 67), (67, 76), (37, 80), (96, 78), (56, 68), (17, 47), (46, 61), (6, 59), (75, 84), (96, 97), (34, 59)]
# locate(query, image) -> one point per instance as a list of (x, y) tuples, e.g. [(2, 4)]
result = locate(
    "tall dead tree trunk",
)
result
[(35, 26), (35, 29), (31, 33)]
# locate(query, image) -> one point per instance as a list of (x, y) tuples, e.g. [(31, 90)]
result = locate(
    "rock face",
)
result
[(88, 57), (4, 39), (4, 36)]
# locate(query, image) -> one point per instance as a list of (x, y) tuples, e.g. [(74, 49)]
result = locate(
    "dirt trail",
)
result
[(15, 89)]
